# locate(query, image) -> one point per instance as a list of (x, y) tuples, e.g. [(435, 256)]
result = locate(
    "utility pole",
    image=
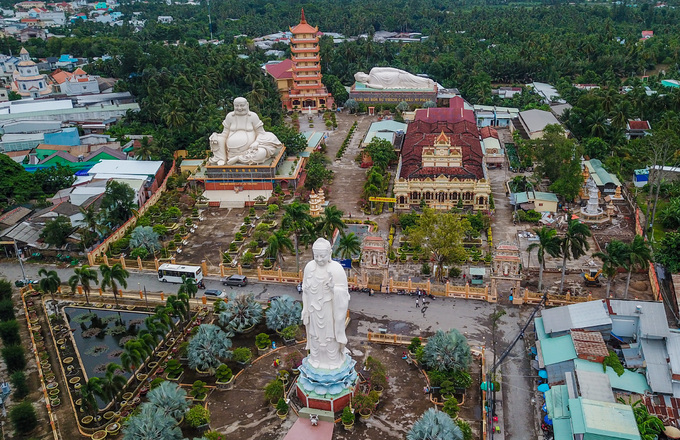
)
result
[(146, 299), (209, 21), (21, 263)]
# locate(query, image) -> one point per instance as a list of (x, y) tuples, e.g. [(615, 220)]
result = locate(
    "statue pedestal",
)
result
[(328, 390)]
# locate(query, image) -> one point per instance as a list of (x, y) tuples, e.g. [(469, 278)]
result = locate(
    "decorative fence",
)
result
[(119, 233)]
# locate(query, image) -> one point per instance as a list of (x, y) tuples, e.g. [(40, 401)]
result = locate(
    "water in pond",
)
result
[(100, 336)]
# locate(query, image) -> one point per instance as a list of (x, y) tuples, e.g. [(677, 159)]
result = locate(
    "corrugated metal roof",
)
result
[(562, 429), (603, 420), (557, 402), (629, 381), (594, 385), (673, 347), (576, 316), (540, 330), (536, 120), (556, 350), (653, 323), (658, 369)]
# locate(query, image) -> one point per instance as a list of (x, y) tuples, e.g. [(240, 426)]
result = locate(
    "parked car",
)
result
[(216, 293), (235, 280)]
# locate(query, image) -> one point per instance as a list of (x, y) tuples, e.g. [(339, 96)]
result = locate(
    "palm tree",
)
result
[(171, 398), (574, 244), (614, 257), (278, 242), (134, 354), (112, 383), (348, 246), (188, 287), (434, 424), (296, 219), (50, 283), (637, 257), (163, 315), (179, 305), (548, 242), (330, 220), (111, 275), (83, 276), (88, 393)]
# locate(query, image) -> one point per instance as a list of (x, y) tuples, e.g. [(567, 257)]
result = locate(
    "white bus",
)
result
[(172, 273)]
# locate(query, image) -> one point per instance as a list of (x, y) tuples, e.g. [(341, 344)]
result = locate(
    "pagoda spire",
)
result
[(302, 16)]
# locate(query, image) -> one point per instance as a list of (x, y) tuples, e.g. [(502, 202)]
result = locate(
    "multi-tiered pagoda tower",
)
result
[(307, 94)]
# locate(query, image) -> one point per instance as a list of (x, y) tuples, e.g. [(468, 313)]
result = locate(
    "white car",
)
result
[(216, 293)]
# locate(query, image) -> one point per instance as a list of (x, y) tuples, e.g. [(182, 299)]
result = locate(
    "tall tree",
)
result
[(188, 287), (277, 243), (573, 244), (330, 220), (348, 246), (118, 203), (638, 257), (112, 276), (441, 235), (612, 258), (548, 243), (381, 152), (83, 276), (50, 282), (56, 231), (296, 219)]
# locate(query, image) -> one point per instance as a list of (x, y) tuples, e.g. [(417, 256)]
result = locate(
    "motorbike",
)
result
[(201, 285)]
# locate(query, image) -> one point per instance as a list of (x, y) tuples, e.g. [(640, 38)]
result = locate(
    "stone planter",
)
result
[(201, 399), (99, 435), (348, 426), (378, 389), (86, 420), (68, 360), (176, 379), (74, 380), (281, 415), (55, 402), (202, 373), (223, 386), (365, 414), (127, 396), (108, 415), (113, 428)]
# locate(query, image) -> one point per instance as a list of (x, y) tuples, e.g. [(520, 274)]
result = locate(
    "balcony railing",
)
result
[(304, 40), (305, 59), (314, 49)]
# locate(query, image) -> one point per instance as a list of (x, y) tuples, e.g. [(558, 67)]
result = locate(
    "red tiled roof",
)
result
[(79, 71), (454, 113), (488, 132), (60, 76), (423, 134), (303, 27), (280, 70), (638, 125)]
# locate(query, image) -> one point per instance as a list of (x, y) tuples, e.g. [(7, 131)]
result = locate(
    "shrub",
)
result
[(282, 313), (223, 373), (465, 428), (425, 269), (415, 343), (174, 369), (140, 252), (23, 417), (454, 272), (5, 290), (348, 416), (447, 351), (6, 310), (247, 258), (461, 379), (434, 424), (238, 237), (14, 358), (273, 390), (9, 332), (451, 407), (293, 359), (197, 416), (262, 341), (199, 389), (289, 332), (156, 383), (242, 354), (282, 406), (19, 383), (214, 435)]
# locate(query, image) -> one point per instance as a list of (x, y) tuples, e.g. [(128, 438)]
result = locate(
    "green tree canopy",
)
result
[(381, 152), (118, 203), (56, 231)]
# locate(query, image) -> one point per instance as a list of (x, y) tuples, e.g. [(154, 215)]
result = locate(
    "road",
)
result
[(396, 311)]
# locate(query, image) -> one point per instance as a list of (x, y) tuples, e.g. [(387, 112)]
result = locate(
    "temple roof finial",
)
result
[(302, 16)]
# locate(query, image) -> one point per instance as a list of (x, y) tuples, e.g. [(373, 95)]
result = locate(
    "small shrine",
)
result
[(316, 202), (374, 262), (506, 265)]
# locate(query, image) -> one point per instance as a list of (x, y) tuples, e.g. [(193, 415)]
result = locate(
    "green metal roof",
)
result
[(629, 381), (540, 329), (562, 429), (603, 420), (522, 197), (556, 350), (599, 174), (477, 271), (557, 402)]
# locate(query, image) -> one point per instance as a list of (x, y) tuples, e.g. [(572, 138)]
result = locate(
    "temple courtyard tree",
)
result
[(548, 243), (573, 244)]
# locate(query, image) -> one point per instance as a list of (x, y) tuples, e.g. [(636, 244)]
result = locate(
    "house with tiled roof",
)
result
[(494, 154), (442, 165), (636, 129), (282, 73), (79, 83)]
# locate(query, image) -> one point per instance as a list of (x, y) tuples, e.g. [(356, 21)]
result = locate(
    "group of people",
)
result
[(420, 300)]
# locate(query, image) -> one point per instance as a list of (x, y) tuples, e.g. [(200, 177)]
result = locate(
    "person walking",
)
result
[(417, 302)]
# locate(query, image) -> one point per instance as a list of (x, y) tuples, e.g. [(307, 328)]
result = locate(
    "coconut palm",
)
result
[(638, 257), (283, 312), (163, 315), (208, 348), (612, 258), (170, 398), (134, 354), (296, 220), (112, 276), (435, 425), (329, 221), (188, 287), (348, 246), (548, 242), (112, 383), (83, 276), (278, 242), (50, 282), (573, 244), (88, 392), (178, 305)]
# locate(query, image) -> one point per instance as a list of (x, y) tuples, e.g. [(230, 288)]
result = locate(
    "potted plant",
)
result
[(199, 391), (223, 377), (293, 361), (174, 370), (447, 390), (283, 375), (273, 391), (242, 355), (198, 417), (282, 409), (378, 380), (288, 334), (363, 404), (182, 351), (263, 343), (348, 418)]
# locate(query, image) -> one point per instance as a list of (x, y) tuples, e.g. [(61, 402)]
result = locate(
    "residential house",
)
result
[(79, 83), (27, 80), (646, 35), (636, 129), (165, 19), (532, 123), (493, 116), (536, 200), (494, 153), (506, 92)]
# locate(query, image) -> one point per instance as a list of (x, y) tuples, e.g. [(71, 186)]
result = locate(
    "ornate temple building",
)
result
[(27, 80), (299, 79), (442, 164)]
